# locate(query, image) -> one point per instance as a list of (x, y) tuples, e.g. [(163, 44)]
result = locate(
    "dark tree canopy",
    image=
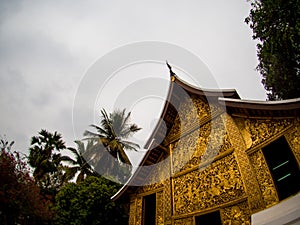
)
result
[(276, 25), (46, 160), (20, 198), (89, 202), (79, 166)]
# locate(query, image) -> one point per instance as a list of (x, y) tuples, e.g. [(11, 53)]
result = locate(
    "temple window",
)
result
[(149, 209), (209, 219), (283, 167)]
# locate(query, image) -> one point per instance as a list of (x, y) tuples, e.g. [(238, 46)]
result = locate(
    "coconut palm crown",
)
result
[(113, 134)]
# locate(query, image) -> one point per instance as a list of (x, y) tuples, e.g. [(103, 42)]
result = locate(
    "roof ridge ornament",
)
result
[(172, 74)]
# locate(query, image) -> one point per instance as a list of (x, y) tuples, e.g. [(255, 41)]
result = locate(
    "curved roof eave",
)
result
[(190, 89), (257, 104), (226, 93), (266, 109)]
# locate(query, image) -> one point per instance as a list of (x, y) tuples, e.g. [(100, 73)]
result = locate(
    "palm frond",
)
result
[(68, 160), (91, 134), (130, 145)]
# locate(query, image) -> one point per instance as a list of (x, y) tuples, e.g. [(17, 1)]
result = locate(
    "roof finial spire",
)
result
[(172, 74)]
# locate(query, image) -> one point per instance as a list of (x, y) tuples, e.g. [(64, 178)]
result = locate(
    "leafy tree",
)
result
[(111, 139), (276, 24), (45, 159), (20, 199), (79, 164), (89, 202)]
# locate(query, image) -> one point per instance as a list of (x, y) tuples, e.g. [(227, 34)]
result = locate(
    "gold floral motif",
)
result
[(139, 211), (160, 172), (240, 122), (203, 108), (198, 190), (184, 221), (236, 215), (191, 114), (264, 178), (293, 138), (261, 130), (149, 187), (132, 210), (159, 208), (252, 188), (201, 146), (183, 151), (167, 202)]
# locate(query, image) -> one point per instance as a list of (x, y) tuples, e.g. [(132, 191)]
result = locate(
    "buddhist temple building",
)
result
[(214, 158)]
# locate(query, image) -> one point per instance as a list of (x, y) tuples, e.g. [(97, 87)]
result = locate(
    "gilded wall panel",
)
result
[(183, 151), (262, 129), (219, 183), (149, 187), (196, 110), (203, 108), (250, 182), (160, 208), (167, 202), (264, 178), (200, 146), (293, 138), (236, 215), (159, 174), (184, 221), (175, 130), (139, 211), (132, 210), (192, 114)]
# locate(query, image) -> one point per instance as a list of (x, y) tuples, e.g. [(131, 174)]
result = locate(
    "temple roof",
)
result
[(262, 109), (226, 97)]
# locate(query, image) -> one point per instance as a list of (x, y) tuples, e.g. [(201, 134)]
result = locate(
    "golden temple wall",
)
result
[(216, 163)]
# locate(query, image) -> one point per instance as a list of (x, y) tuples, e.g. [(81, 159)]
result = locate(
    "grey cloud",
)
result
[(45, 46)]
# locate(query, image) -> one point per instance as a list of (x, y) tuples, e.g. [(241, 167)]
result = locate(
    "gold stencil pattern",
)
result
[(255, 200), (264, 178), (198, 190), (139, 211), (293, 138), (261, 130), (159, 208), (200, 146), (167, 202), (236, 215), (132, 209), (191, 115)]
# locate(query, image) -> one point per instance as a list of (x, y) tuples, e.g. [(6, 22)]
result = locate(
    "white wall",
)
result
[(285, 212)]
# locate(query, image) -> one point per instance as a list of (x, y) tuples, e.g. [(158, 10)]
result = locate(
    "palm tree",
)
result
[(45, 158), (79, 164), (112, 137)]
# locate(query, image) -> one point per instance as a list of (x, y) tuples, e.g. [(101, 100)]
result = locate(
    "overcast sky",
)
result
[(46, 48)]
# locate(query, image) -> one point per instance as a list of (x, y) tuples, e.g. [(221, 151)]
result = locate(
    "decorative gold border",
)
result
[(270, 174), (269, 140), (204, 164), (261, 117), (149, 192), (212, 209), (249, 179), (194, 127)]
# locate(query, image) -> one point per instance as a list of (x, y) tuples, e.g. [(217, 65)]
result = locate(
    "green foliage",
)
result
[(45, 159), (89, 202), (108, 155), (78, 166), (20, 199), (276, 24)]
